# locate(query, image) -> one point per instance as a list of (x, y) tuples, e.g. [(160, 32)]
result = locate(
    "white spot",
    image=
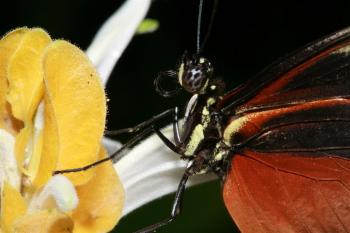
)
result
[(205, 111), (218, 156), (201, 60), (193, 73), (210, 101)]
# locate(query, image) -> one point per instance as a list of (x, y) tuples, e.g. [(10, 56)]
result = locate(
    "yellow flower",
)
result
[(52, 117)]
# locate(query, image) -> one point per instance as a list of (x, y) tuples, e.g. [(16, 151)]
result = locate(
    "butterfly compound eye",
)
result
[(194, 75)]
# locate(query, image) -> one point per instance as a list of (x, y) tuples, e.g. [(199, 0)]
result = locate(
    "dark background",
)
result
[(247, 36)]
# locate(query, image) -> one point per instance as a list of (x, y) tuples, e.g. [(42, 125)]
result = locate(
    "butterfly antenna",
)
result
[(211, 22), (200, 10)]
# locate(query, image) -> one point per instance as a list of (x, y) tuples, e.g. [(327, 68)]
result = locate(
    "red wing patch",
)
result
[(281, 193)]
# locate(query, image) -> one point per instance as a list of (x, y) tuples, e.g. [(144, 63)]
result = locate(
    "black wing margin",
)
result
[(320, 70)]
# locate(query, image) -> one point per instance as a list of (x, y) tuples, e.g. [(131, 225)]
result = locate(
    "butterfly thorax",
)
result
[(203, 126)]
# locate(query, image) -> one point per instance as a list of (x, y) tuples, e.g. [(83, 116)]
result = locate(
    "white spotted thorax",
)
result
[(193, 77)]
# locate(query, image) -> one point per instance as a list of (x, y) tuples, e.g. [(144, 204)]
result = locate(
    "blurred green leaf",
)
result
[(147, 26)]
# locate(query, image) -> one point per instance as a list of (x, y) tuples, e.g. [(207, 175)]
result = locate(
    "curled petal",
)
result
[(75, 96), (25, 74), (8, 45), (101, 200), (58, 193)]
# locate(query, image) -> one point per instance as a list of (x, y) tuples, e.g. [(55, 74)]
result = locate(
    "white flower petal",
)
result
[(59, 192), (150, 170), (8, 164), (110, 145), (115, 35)]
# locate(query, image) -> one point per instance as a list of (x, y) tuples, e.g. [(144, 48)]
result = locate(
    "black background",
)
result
[(247, 35)]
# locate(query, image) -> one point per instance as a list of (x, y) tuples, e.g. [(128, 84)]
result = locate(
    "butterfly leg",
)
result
[(176, 208), (150, 127), (152, 121)]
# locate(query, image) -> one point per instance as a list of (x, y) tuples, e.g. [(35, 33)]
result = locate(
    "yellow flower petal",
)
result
[(100, 201), (25, 74), (25, 78), (50, 149), (45, 221), (12, 206), (78, 103), (8, 45)]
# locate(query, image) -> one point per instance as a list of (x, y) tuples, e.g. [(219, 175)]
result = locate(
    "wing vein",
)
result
[(282, 184), (332, 208), (249, 194)]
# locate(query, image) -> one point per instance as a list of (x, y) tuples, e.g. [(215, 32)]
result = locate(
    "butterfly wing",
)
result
[(288, 194), (319, 70), (291, 172), (291, 167)]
